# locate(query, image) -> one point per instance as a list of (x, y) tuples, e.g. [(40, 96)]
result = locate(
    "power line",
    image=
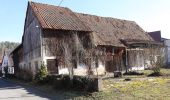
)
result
[(60, 2)]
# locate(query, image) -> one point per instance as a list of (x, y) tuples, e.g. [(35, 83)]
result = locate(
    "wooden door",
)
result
[(52, 66)]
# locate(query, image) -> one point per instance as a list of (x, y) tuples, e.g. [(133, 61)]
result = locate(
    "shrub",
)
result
[(81, 83), (133, 73), (89, 84), (49, 79), (62, 82), (42, 73), (156, 70), (158, 65)]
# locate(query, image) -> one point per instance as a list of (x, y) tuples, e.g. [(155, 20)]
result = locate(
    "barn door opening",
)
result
[(52, 66)]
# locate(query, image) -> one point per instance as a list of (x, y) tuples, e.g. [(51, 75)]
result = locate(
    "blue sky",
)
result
[(151, 15)]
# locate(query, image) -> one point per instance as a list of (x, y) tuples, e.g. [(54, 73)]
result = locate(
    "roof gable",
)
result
[(54, 17), (156, 35)]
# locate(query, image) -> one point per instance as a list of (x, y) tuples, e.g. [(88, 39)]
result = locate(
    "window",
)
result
[(52, 66)]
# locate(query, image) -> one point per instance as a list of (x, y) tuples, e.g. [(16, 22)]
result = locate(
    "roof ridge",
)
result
[(80, 12), (49, 5), (104, 17), (33, 6)]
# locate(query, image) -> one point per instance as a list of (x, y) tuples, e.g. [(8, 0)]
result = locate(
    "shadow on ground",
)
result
[(12, 88)]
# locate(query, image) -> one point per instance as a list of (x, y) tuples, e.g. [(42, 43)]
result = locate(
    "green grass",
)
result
[(145, 89), (139, 88)]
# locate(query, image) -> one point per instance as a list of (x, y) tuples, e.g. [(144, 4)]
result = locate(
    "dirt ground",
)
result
[(139, 87)]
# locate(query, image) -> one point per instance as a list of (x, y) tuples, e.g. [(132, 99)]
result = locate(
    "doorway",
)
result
[(52, 66)]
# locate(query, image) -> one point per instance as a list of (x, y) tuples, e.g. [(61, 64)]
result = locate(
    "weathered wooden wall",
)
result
[(31, 42), (17, 57), (31, 37)]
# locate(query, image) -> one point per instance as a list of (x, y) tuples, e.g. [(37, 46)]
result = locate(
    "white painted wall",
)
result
[(6, 63), (82, 70), (137, 68), (167, 43)]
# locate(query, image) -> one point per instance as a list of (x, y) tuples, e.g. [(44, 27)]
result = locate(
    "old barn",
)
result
[(86, 44)]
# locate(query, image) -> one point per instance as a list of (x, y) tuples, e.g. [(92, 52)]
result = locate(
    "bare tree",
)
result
[(72, 49), (155, 55)]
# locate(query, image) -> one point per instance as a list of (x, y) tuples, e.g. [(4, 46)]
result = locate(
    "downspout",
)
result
[(126, 60), (41, 39)]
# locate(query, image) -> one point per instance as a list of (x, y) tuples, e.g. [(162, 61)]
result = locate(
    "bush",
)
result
[(154, 74), (62, 82), (159, 64), (156, 70), (89, 84), (49, 79), (80, 83), (133, 73), (42, 73)]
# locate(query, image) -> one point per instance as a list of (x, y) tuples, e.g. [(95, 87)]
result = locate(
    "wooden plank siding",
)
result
[(17, 56), (31, 38)]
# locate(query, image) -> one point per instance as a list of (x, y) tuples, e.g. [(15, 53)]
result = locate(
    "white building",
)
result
[(156, 35), (7, 63), (167, 44)]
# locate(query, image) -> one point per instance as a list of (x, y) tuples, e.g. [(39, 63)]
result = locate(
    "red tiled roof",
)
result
[(109, 31), (106, 31), (54, 17)]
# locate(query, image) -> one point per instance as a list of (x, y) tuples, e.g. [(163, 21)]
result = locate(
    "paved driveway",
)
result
[(13, 91)]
